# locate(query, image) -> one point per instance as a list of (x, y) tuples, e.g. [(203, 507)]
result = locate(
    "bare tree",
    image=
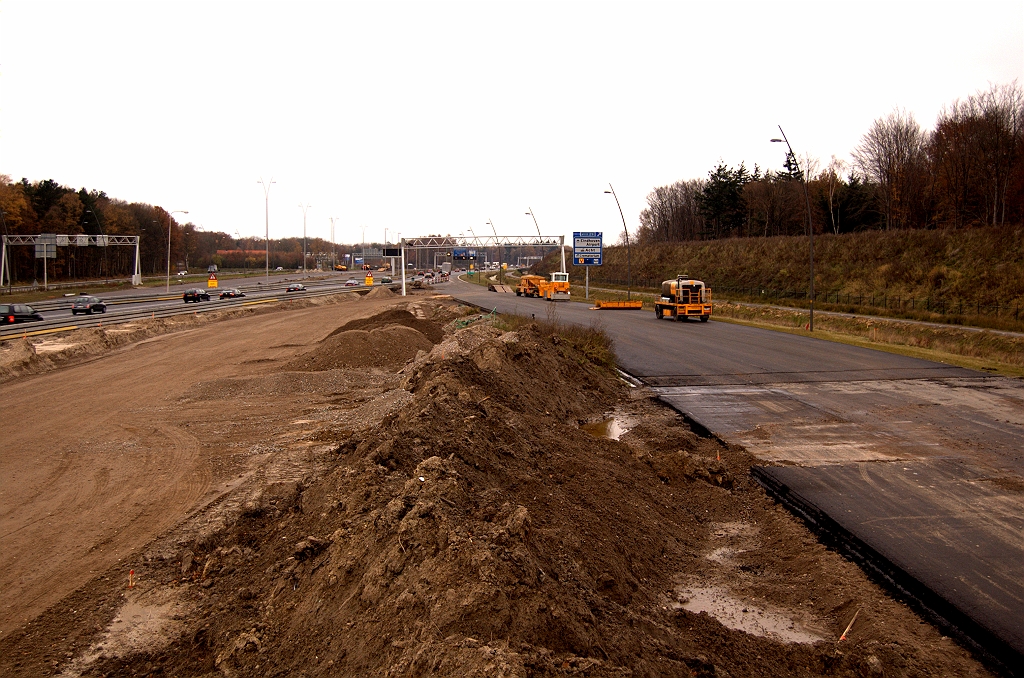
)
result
[(891, 154), (671, 214), (831, 180)]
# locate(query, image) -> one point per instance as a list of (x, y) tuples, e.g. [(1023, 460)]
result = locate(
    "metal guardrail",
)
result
[(55, 325)]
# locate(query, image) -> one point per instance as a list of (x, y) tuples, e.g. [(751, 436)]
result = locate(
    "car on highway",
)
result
[(296, 287), (196, 295), (17, 313), (351, 282), (386, 280), (231, 293), (88, 305)]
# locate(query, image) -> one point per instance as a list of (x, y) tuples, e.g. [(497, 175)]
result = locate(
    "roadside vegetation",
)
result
[(589, 344)]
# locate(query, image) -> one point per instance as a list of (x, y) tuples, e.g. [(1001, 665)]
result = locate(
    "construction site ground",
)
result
[(388, 486)]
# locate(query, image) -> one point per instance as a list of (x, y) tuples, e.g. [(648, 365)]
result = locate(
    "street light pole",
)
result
[(334, 260), (529, 210), (170, 220), (810, 226), (266, 207), (629, 256), (303, 208)]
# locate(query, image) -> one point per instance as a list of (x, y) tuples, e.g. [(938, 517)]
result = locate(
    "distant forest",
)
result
[(28, 208), (968, 171)]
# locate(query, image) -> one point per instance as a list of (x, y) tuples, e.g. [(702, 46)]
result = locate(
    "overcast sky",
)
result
[(432, 118)]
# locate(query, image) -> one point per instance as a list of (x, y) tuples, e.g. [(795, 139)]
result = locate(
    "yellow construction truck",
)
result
[(684, 298), (556, 289), (529, 285)]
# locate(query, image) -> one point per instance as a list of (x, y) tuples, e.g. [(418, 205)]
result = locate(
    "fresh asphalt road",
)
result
[(915, 468)]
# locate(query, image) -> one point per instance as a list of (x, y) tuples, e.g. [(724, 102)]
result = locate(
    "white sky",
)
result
[(430, 117)]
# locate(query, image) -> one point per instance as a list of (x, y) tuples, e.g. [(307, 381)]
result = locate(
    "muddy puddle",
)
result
[(745, 616), (613, 427)]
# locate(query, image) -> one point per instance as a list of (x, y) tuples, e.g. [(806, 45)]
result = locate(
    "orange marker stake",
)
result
[(131, 579)]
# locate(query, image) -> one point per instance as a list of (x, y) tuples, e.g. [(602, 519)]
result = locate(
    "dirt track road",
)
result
[(100, 458)]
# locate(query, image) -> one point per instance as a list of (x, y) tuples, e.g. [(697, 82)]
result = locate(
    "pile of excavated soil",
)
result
[(388, 339), (398, 316), (479, 529), (380, 292), (383, 347)]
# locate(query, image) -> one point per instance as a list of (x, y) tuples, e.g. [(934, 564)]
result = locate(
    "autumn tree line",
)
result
[(967, 171), (31, 208)]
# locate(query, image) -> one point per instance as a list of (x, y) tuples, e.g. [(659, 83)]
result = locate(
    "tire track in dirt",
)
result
[(98, 516)]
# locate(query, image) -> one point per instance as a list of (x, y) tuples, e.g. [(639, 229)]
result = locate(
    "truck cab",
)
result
[(682, 298)]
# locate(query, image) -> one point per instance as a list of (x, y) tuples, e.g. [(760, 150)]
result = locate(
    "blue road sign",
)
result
[(587, 249)]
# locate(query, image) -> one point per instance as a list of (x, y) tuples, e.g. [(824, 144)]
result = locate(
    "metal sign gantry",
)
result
[(77, 240), (481, 241)]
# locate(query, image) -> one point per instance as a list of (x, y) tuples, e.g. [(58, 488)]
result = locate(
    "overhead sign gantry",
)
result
[(46, 245), (480, 241)]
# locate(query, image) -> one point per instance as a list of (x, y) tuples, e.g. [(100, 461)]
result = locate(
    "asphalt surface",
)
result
[(914, 468)]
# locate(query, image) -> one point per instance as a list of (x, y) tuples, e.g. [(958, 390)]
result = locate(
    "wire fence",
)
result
[(945, 306)]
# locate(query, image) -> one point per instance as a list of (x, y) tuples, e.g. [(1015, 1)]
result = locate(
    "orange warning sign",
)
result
[(212, 282)]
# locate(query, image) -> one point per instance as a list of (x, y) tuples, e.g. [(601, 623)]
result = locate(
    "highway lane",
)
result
[(914, 468), (127, 305)]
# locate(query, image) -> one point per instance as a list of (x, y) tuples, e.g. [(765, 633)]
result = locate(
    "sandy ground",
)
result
[(99, 458), (383, 486)]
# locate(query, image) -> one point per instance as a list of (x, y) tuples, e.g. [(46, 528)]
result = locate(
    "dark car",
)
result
[(196, 295), (296, 287), (17, 313), (88, 305), (231, 293)]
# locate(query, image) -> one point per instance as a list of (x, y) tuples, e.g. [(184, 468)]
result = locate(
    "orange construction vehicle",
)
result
[(556, 289), (684, 298), (529, 286)]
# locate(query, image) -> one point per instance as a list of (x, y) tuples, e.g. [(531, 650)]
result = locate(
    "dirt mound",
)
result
[(395, 316), (18, 356), (388, 346), (381, 291)]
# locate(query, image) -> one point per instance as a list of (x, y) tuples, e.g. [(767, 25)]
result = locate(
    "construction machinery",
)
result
[(340, 267), (684, 298), (556, 289), (529, 285)]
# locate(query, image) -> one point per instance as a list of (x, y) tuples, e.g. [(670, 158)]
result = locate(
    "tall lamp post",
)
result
[(266, 207), (629, 256), (529, 210), (303, 208), (170, 220), (334, 260), (810, 227)]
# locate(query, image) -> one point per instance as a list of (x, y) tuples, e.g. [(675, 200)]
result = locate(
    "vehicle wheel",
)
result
[(680, 317), (103, 310), (74, 312), (88, 311), (658, 312), (518, 293), (704, 318)]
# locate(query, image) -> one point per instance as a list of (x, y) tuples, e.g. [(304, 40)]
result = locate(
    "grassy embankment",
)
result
[(967, 270)]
